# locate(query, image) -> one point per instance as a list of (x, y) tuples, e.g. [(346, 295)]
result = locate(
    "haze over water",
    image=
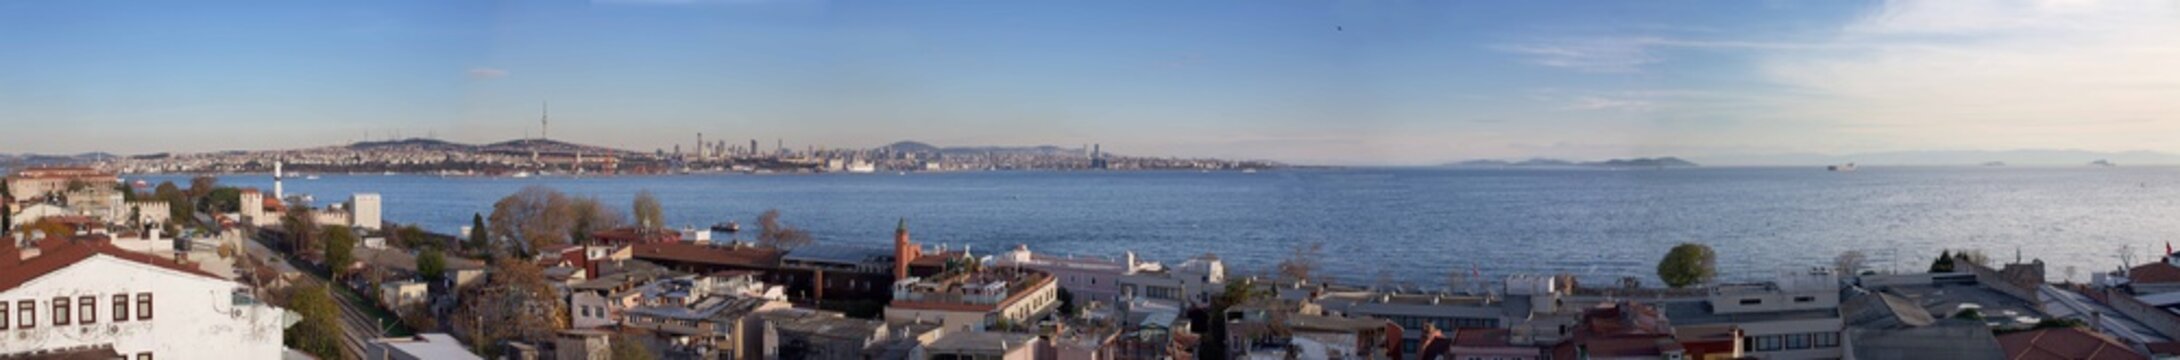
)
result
[(1417, 224)]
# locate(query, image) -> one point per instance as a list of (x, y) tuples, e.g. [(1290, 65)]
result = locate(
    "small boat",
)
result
[(310, 177), (139, 183), (727, 227), (522, 175), (2103, 163), (1841, 168)]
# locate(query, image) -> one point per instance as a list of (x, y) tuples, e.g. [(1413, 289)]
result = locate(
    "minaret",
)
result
[(904, 252), (276, 183)]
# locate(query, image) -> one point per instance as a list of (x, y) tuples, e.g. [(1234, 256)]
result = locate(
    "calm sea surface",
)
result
[(1415, 224)]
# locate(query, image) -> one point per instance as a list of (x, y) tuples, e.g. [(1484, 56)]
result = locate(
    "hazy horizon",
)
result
[(1333, 83)]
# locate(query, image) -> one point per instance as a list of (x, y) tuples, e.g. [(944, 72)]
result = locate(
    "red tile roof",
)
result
[(2064, 343), (61, 256), (2152, 273), (749, 257)]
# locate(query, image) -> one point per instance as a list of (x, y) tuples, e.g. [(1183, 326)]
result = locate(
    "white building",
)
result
[(364, 210), (92, 296), (421, 347), (31, 214), (1796, 316), (974, 301), (1192, 282)]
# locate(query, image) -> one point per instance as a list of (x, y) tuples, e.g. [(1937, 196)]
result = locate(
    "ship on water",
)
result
[(1841, 168)]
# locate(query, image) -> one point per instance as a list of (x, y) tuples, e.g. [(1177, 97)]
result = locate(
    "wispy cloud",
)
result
[(1995, 73), (1628, 54), (1602, 55), (485, 73)]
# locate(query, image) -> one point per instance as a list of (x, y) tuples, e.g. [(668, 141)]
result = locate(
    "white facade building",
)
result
[(93, 295), (364, 210)]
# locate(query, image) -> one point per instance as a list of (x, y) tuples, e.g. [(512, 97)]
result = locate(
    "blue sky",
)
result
[(1340, 82)]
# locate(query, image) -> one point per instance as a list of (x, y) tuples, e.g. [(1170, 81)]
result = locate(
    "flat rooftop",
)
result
[(1942, 300), (1700, 313)]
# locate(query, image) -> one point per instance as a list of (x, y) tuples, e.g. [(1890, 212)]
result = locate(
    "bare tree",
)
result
[(2126, 256), (1849, 262), (1300, 264), (774, 234), (533, 217), (514, 303), (649, 213)]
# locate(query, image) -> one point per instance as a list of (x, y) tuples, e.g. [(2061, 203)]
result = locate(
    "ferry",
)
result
[(1841, 168)]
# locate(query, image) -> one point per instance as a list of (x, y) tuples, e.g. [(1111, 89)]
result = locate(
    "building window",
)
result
[(1827, 339), (1768, 343), (88, 306), (143, 356), (1804, 299), (1752, 301), (1797, 341), (60, 311), (26, 314), (121, 308), (143, 306), (4, 315)]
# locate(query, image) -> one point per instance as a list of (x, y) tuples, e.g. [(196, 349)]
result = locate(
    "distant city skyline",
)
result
[(1340, 82)]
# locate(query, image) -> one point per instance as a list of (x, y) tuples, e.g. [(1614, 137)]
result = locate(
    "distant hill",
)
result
[(2031, 157), (1662, 162), (910, 146)]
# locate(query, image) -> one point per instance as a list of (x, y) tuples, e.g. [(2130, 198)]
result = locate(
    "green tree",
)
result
[(166, 191), (340, 250), (477, 239), (320, 332), (431, 264), (223, 200), (649, 214), (1688, 264), (301, 228), (1944, 263), (414, 237)]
